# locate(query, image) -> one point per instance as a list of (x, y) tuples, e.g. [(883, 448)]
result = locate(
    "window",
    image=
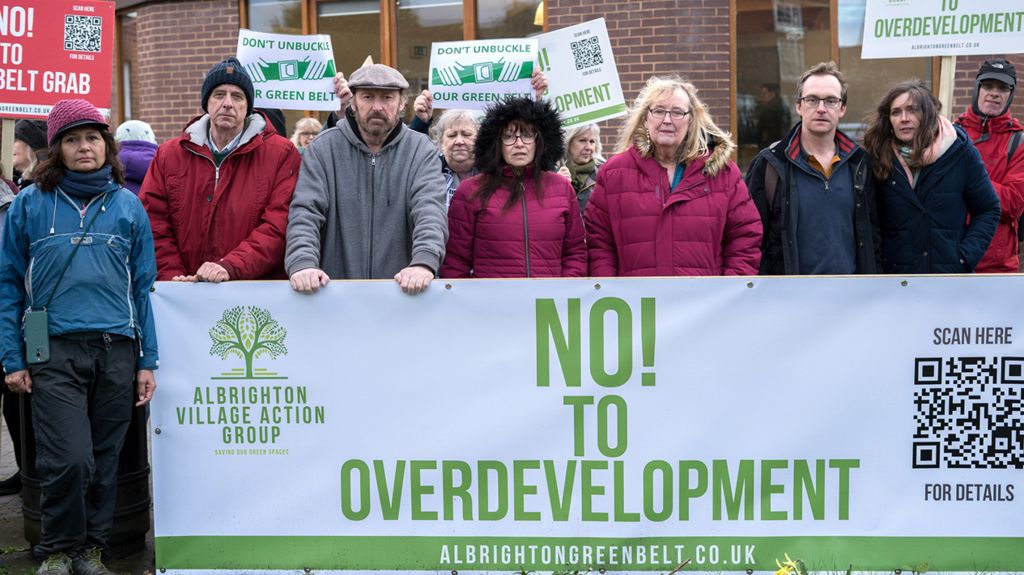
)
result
[(776, 40)]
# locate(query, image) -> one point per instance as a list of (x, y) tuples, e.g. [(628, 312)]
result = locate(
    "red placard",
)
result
[(54, 49)]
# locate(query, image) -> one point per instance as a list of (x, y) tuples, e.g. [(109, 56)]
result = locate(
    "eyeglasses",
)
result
[(660, 113), (309, 134), (812, 102), (509, 138), (898, 112)]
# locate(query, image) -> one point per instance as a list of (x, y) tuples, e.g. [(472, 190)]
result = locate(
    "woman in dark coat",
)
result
[(937, 208), (516, 218)]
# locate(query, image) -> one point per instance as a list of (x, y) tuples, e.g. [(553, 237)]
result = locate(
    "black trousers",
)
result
[(82, 403), (12, 416)]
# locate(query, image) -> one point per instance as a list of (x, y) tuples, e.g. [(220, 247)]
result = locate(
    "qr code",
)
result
[(82, 33), (969, 412), (587, 53)]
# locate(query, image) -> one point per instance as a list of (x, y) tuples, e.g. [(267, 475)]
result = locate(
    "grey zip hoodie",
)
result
[(359, 215)]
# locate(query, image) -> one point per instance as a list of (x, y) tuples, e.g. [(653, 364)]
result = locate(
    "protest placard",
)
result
[(471, 75), (917, 28), (51, 50), (289, 72), (582, 79)]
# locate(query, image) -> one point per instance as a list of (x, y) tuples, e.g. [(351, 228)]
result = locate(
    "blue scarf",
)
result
[(88, 185)]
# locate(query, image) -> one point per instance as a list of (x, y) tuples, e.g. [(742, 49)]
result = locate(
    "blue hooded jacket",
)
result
[(106, 286)]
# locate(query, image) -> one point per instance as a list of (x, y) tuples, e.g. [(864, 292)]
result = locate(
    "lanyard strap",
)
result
[(74, 250)]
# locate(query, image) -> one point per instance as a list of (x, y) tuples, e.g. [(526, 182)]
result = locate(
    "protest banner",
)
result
[(918, 28), (289, 72), (51, 50), (582, 79), (619, 426), (471, 75)]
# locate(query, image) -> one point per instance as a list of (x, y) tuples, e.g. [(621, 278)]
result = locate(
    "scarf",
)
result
[(580, 173), (88, 185), (945, 140)]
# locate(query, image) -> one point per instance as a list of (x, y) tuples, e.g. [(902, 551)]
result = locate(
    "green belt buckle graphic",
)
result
[(482, 73), (263, 71)]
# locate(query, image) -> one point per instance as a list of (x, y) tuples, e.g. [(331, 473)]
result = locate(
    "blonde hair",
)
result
[(303, 125), (580, 129), (702, 129)]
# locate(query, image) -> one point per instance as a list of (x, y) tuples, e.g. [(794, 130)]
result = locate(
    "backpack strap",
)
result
[(771, 184), (1013, 144)]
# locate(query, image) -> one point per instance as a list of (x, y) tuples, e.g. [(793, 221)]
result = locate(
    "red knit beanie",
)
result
[(68, 114)]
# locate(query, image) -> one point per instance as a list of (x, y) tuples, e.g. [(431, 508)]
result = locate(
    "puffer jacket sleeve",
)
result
[(13, 263), (602, 257), (458, 257), (262, 252), (153, 194), (983, 207), (143, 265), (741, 238), (574, 245)]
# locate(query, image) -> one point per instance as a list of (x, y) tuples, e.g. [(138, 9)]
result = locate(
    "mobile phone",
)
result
[(37, 336)]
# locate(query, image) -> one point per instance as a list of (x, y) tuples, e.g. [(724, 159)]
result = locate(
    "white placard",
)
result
[(289, 72), (919, 28), (472, 75), (582, 79)]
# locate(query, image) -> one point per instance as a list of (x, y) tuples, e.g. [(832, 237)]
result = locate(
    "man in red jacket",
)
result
[(997, 136), (218, 195)]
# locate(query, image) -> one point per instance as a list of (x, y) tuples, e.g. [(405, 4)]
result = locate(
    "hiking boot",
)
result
[(90, 562), (56, 564)]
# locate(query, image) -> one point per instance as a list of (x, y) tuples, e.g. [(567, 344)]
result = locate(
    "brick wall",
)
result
[(178, 41), (128, 49), (687, 37), (967, 68)]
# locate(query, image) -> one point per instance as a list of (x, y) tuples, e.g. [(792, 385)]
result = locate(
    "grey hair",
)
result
[(579, 129), (450, 118)]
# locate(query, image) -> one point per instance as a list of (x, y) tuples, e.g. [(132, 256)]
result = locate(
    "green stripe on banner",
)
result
[(594, 115), (973, 554)]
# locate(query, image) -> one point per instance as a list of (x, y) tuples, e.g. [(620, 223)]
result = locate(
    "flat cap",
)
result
[(377, 76)]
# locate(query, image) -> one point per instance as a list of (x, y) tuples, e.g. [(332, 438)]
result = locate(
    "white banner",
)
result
[(287, 71), (918, 28), (582, 79), (471, 75), (618, 425)]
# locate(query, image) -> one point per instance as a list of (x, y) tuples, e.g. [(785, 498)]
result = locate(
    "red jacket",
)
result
[(1008, 180), (706, 226), (487, 241), (235, 216)]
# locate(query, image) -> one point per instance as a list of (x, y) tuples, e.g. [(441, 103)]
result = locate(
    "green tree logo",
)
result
[(248, 332)]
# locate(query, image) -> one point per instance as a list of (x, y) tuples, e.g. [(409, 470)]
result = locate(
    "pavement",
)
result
[(15, 556)]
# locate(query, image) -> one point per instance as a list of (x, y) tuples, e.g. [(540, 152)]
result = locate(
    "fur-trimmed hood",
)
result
[(720, 149), (542, 115)]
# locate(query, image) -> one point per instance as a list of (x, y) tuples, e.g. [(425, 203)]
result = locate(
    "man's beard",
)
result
[(376, 129)]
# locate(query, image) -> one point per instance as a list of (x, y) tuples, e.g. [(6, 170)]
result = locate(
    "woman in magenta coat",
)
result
[(516, 218), (672, 203)]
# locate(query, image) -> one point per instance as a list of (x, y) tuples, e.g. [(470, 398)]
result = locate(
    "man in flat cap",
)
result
[(997, 135), (217, 196), (369, 203)]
